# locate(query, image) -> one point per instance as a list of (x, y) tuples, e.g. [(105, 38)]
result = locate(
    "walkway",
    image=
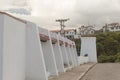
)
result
[(74, 74), (106, 71)]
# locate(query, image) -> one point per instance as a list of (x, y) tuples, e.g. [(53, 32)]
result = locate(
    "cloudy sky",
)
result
[(45, 12)]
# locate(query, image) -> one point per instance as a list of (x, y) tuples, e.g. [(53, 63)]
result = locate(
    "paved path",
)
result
[(106, 71), (75, 73)]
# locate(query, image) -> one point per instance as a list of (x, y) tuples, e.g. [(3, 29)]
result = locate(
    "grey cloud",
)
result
[(98, 12)]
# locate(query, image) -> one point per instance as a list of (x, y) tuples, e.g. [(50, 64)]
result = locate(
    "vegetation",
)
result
[(78, 45), (108, 47)]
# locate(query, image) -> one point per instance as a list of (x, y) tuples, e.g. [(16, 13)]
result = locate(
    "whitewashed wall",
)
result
[(48, 54), (71, 52), (64, 54), (69, 56), (73, 56), (88, 46), (75, 52), (57, 53), (35, 65), (13, 49), (82, 60), (58, 57), (1, 45), (24, 57)]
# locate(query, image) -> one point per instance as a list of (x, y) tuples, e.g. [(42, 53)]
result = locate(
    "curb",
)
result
[(83, 74)]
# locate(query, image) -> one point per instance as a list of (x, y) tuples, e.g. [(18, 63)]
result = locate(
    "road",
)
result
[(105, 71)]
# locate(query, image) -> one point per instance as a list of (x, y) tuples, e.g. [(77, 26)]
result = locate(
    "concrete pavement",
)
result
[(105, 71), (74, 74)]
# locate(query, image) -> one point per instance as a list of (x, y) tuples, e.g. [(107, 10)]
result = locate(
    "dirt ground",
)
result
[(105, 71)]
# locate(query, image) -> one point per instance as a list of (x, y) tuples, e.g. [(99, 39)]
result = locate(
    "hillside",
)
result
[(108, 47)]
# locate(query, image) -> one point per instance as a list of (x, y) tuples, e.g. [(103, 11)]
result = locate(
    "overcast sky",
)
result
[(45, 12)]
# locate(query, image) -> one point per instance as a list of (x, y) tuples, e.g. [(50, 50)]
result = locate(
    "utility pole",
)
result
[(62, 25)]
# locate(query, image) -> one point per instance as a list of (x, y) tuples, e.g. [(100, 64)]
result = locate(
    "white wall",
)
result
[(57, 53), (35, 66), (64, 55), (58, 57), (82, 60), (48, 54), (73, 56), (88, 46), (24, 57), (1, 45), (49, 58), (13, 49), (75, 52), (69, 56)]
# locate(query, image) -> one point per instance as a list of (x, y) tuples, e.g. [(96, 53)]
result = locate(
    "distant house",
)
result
[(86, 30), (111, 27), (69, 33)]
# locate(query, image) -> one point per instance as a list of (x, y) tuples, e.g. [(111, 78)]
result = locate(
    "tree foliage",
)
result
[(108, 46), (78, 45)]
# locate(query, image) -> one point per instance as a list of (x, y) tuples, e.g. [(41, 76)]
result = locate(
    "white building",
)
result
[(69, 33), (111, 27), (86, 30)]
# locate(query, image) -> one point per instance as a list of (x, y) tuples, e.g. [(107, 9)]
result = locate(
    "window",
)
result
[(112, 28), (92, 32)]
